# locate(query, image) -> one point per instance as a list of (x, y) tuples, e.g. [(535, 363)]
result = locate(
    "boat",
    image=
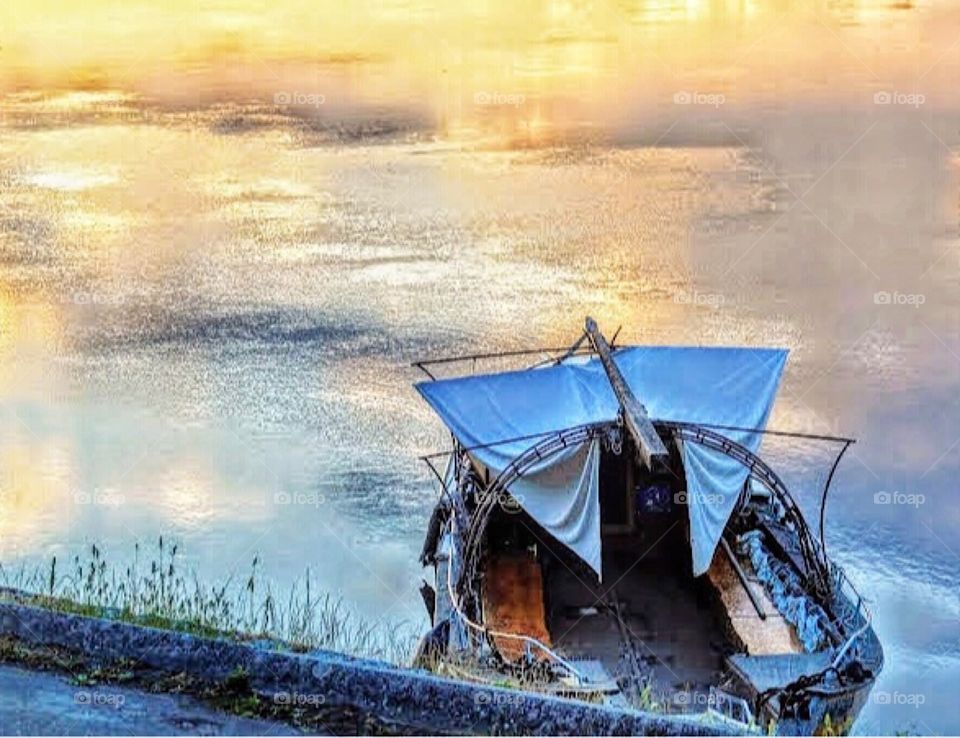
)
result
[(607, 531)]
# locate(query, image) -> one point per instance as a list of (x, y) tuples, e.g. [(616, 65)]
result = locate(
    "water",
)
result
[(210, 295)]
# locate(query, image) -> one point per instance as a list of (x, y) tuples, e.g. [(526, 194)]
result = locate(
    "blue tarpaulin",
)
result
[(709, 386)]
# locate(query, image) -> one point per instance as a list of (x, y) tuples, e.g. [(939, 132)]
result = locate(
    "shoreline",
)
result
[(309, 690)]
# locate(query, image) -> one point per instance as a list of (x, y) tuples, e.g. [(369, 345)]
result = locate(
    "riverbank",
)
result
[(321, 691)]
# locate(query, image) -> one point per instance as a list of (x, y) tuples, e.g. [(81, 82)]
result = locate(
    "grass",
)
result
[(154, 591), (525, 677), (830, 728)]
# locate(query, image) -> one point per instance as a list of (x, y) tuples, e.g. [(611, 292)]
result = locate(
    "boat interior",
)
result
[(648, 625)]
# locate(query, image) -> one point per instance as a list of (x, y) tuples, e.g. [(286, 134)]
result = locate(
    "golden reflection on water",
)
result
[(117, 228), (467, 64), (209, 295)]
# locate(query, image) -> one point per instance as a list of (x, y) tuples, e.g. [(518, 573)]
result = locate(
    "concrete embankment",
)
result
[(36, 703), (405, 700)]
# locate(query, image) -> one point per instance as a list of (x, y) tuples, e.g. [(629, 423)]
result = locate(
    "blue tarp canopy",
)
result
[(709, 386)]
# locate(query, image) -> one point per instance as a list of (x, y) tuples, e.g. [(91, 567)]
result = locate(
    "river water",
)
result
[(214, 276)]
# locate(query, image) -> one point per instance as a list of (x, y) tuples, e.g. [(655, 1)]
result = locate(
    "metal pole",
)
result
[(742, 576), (826, 489)]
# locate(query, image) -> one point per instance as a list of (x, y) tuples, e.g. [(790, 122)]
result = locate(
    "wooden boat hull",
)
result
[(593, 575)]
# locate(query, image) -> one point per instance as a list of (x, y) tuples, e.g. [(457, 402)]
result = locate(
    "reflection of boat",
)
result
[(638, 559)]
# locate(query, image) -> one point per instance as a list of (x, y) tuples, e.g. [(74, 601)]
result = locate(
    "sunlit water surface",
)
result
[(208, 309)]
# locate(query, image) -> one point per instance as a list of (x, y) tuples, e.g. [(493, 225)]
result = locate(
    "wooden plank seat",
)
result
[(759, 637), (513, 603)]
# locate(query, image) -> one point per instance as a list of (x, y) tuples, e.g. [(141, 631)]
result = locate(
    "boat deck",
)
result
[(768, 636), (666, 633)]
